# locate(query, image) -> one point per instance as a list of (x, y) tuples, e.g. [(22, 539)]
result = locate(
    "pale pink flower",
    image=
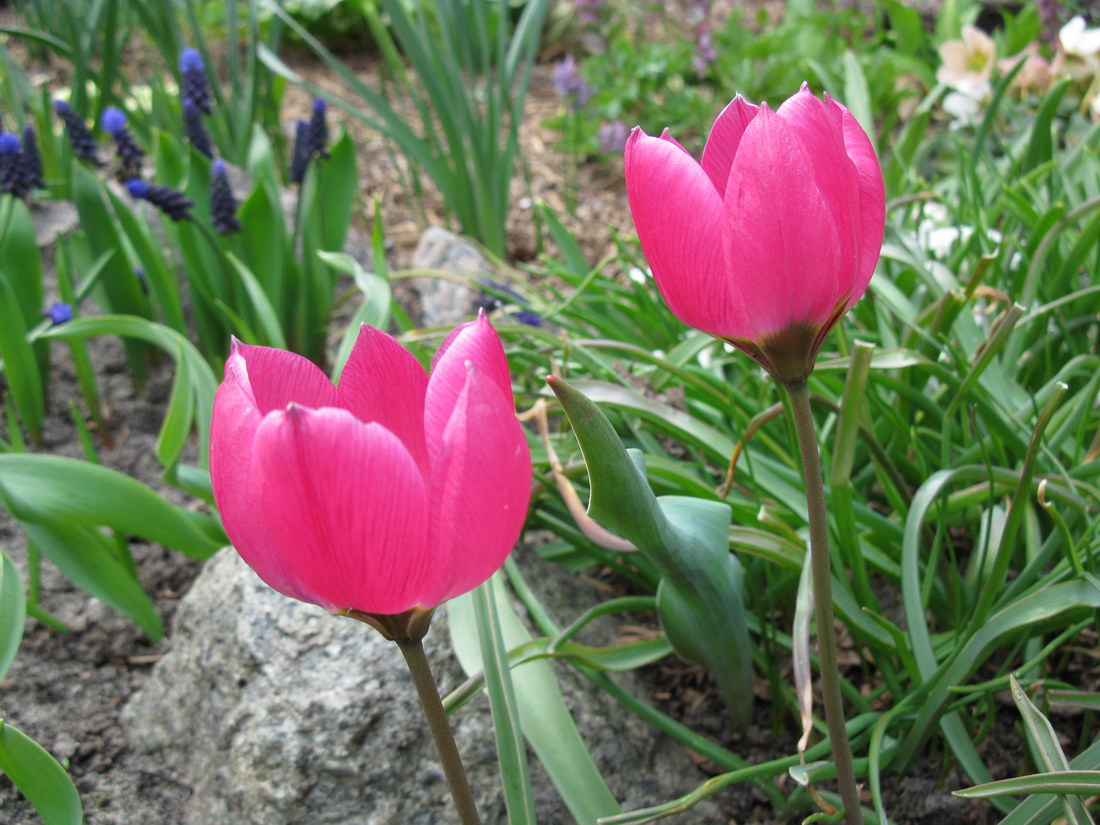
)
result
[(967, 63)]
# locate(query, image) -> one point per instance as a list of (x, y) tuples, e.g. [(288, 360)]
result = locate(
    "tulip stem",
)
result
[(441, 731), (823, 599)]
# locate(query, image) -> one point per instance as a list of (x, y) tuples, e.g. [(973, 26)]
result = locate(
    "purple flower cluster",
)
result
[(612, 136), (130, 155), (310, 141), (589, 11), (704, 51), (20, 163), (513, 302), (570, 85), (171, 202), (196, 131), (58, 312), (223, 206), (80, 137), (195, 100), (193, 85)]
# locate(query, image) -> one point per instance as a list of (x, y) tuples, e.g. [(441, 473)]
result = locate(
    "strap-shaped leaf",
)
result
[(39, 777), (48, 489), (13, 612)]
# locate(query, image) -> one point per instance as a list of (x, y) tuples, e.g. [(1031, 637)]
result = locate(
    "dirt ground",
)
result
[(66, 690)]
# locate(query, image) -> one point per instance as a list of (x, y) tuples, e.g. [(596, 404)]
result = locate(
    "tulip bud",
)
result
[(770, 239)]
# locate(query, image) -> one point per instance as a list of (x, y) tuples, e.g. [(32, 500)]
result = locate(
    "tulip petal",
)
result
[(481, 484), (872, 201), (277, 378), (382, 381), (820, 127), (233, 428), (724, 138), (780, 234), (478, 344), (347, 510), (678, 214)]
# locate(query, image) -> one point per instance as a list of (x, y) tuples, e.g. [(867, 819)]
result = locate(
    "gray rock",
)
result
[(276, 713), (442, 301)]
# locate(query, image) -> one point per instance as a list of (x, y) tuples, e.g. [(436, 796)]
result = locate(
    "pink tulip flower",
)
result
[(387, 494), (774, 236)]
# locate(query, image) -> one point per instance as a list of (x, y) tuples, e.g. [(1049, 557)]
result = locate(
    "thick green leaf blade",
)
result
[(546, 721), (56, 490), (39, 777), (20, 366), (687, 539), (511, 750), (86, 557), (13, 612)]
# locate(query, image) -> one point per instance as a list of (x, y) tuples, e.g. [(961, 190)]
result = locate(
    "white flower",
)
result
[(965, 105), (1078, 40), (967, 63), (1079, 51)]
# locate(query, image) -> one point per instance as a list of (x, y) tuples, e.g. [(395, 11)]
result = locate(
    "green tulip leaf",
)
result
[(700, 599), (54, 490), (544, 717), (87, 559), (13, 612), (39, 777)]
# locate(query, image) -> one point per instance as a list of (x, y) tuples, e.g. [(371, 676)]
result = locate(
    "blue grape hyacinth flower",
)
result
[(194, 86), (129, 153), (223, 206), (13, 178), (80, 137), (171, 202), (58, 312)]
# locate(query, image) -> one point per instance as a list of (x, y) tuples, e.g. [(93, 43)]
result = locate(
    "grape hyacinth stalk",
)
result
[(765, 245), (223, 206), (32, 160), (80, 137), (196, 131), (569, 84), (171, 202), (299, 158), (130, 154), (13, 177), (317, 131), (194, 85)]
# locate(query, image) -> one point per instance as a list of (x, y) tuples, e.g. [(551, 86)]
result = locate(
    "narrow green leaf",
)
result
[(87, 558), (20, 366), (1082, 783), (547, 723), (52, 489), (507, 727), (39, 777), (13, 612)]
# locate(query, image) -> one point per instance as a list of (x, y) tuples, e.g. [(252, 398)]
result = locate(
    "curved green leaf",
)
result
[(13, 612), (39, 777), (87, 558), (56, 490)]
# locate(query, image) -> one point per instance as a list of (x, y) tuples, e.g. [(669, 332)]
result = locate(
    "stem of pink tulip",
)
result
[(823, 600), (441, 731)]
